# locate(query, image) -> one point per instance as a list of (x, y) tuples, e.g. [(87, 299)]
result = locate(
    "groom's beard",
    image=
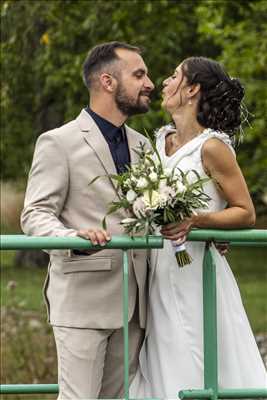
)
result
[(128, 105)]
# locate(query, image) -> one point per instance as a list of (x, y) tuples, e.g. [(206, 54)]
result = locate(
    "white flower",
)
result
[(142, 183), (167, 172), (153, 177), (135, 167), (180, 187), (162, 185), (139, 207), (169, 192), (151, 199), (131, 195), (163, 198), (166, 194)]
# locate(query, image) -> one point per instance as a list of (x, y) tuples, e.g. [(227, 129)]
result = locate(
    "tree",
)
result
[(239, 28), (44, 44)]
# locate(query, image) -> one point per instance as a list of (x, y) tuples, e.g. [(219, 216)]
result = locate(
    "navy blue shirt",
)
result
[(116, 139)]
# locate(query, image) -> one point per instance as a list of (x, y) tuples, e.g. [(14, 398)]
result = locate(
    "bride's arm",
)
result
[(221, 165)]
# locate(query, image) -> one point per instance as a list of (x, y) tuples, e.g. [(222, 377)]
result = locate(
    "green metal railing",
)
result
[(233, 237)]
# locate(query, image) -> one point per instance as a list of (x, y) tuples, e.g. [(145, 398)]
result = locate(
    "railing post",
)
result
[(210, 323), (125, 325)]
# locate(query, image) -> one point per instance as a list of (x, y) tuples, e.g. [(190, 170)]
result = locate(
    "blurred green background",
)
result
[(43, 46)]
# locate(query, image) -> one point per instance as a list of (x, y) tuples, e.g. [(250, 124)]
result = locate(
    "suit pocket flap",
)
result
[(87, 265)]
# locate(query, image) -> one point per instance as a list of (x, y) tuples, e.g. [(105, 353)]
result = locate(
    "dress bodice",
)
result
[(188, 157)]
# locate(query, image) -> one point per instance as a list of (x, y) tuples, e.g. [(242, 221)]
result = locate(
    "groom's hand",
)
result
[(96, 236)]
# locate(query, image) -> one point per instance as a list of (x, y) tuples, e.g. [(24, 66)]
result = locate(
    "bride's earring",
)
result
[(190, 102)]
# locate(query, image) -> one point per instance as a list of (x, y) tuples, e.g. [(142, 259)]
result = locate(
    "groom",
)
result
[(83, 290)]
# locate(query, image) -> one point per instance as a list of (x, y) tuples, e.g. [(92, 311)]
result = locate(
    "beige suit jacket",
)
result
[(81, 291)]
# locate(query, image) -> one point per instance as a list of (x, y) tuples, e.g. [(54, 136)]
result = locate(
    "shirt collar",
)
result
[(109, 130)]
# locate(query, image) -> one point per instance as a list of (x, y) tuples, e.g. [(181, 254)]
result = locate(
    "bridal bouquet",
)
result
[(154, 196)]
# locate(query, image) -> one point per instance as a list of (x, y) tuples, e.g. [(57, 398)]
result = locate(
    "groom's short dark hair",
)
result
[(100, 56)]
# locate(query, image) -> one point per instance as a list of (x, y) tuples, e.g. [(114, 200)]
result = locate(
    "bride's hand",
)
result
[(177, 231)]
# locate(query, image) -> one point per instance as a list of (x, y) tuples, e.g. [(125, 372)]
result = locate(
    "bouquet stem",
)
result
[(182, 256)]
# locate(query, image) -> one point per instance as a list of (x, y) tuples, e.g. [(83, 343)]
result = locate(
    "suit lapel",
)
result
[(94, 138), (97, 142)]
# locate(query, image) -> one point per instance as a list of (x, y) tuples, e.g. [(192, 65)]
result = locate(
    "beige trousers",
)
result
[(90, 362)]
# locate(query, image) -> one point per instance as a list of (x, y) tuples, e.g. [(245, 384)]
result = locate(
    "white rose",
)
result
[(141, 183), (153, 177), (131, 195)]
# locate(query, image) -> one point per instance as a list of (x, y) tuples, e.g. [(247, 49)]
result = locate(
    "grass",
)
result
[(250, 269), (28, 353), (24, 283)]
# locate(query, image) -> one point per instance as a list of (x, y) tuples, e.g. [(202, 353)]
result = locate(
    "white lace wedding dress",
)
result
[(171, 358)]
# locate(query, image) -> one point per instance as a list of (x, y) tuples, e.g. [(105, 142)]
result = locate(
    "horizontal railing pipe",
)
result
[(224, 394), (16, 242), (243, 393), (240, 235), (196, 394), (29, 388)]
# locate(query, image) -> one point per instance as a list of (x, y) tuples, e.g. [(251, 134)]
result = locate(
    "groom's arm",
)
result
[(47, 189)]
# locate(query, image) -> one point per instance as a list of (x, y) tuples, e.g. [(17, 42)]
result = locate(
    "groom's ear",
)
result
[(193, 90), (108, 82)]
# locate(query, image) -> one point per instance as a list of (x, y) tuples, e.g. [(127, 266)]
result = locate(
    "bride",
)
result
[(205, 106)]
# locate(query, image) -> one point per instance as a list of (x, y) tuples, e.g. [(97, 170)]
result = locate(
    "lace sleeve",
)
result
[(162, 132)]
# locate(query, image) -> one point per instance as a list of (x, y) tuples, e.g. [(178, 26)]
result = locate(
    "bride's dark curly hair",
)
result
[(220, 105)]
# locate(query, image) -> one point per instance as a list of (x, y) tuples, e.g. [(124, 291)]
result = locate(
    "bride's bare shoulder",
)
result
[(215, 147), (217, 156)]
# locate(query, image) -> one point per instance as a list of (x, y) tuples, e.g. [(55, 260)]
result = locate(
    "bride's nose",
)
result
[(165, 82)]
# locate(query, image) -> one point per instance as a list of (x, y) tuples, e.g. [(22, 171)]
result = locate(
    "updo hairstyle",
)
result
[(219, 106)]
